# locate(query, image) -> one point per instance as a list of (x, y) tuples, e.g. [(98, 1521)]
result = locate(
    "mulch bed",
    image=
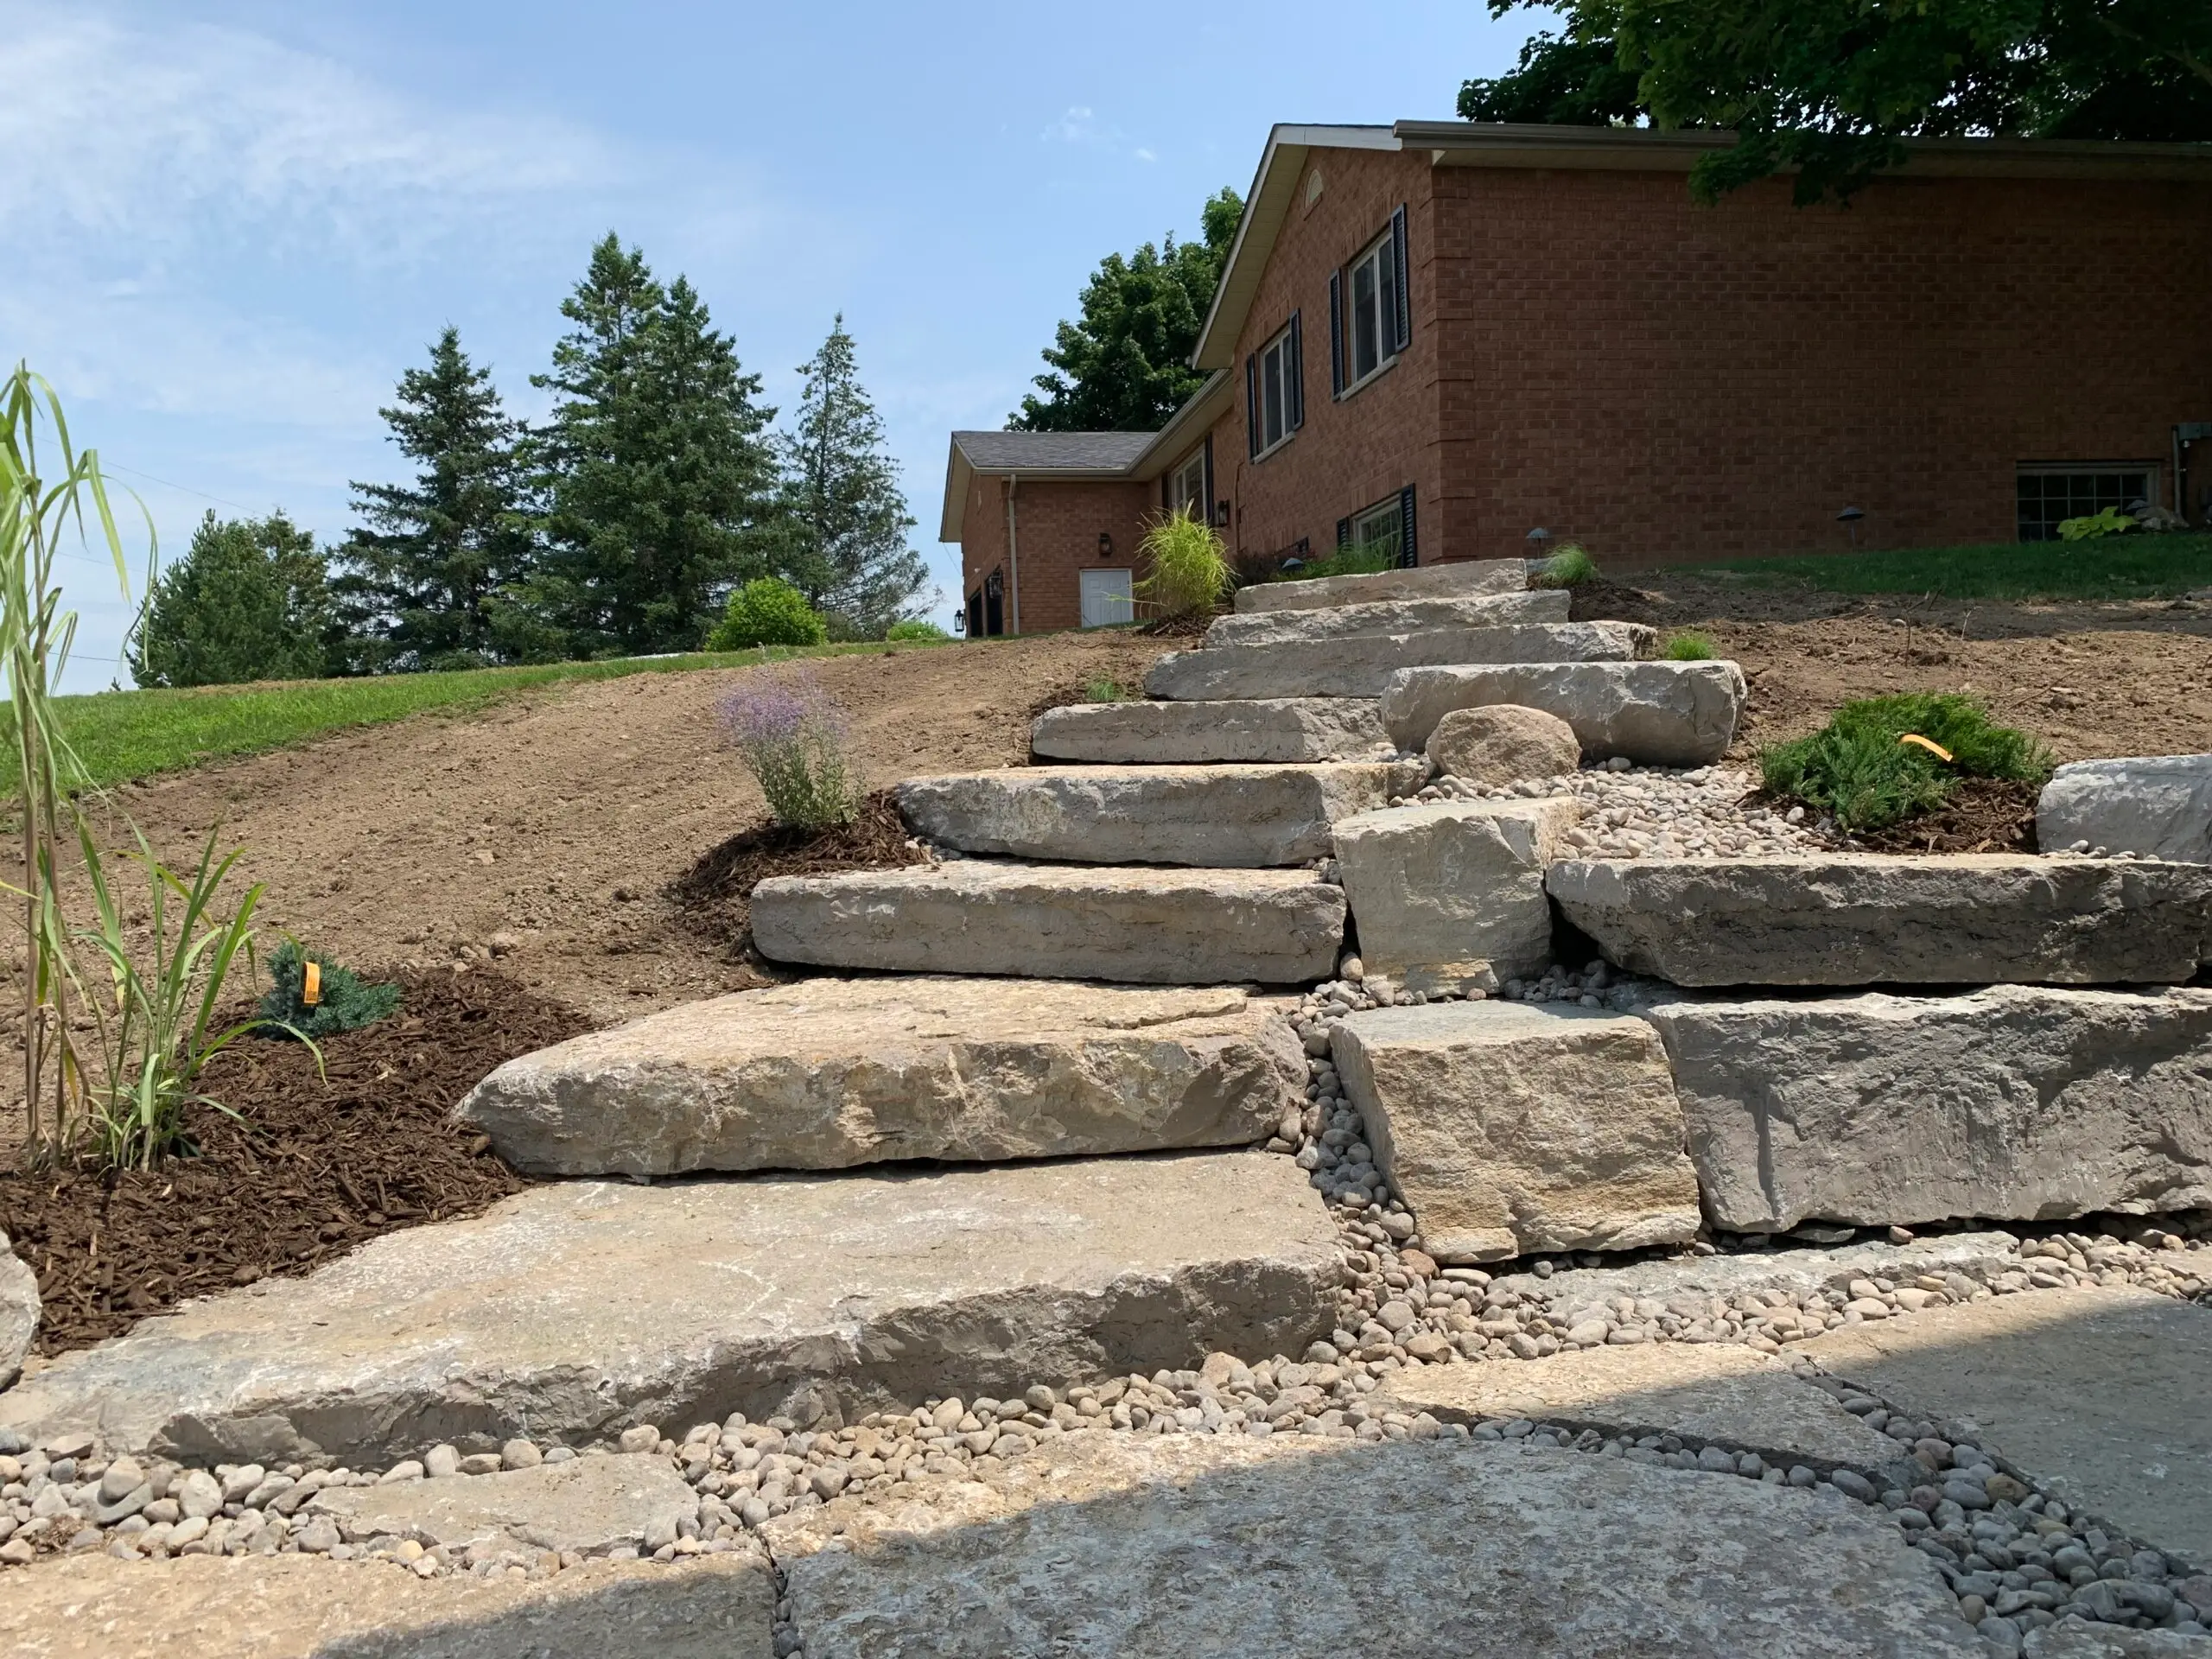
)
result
[(1984, 814), (715, 896), (1600, 601), (317, 1166)]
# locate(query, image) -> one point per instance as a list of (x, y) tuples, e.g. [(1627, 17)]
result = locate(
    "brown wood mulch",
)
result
[(313, 1165), (1984, 814), (715, 896)]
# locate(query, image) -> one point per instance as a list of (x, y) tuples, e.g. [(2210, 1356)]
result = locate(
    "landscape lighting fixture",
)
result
[(1851, 516), (1539, 536)]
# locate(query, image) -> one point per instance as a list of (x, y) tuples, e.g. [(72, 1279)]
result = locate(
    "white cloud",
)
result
[(1078, 124)]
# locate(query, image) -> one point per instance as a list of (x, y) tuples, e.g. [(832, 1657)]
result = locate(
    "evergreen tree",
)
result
[(430, 584), (845, 519), (247, 602), (1125, 364), (655, 466)]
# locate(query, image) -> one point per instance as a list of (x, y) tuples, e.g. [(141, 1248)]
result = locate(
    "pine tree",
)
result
[(430, 584), (247, 602), (1125, 364), (654, 465), (844, 538)]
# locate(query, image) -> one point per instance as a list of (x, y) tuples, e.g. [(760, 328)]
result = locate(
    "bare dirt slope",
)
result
[(560, 821)]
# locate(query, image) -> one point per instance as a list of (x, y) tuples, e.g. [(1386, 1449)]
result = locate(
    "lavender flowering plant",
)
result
[(790, 735)]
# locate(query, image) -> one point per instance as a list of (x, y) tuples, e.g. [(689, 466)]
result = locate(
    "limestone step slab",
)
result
[(1654, 713), (1362, 666), (19, 1310), (1696, 1279), (1299, 1547), (305, 1606), (1201, 733), (590, 1505), (1866, 918), (1394, 616), (1138, 926), (2156, 805), (1512, 1127), (829, 1073), (575, 1310), (1468, 579), (1221, 817), (2031, 1103), (1455, 887)]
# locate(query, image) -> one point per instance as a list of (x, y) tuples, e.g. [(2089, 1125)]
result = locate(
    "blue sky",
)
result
[(229, 227)]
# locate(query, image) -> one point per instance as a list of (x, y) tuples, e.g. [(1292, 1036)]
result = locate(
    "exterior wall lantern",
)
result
[(1105, 544)]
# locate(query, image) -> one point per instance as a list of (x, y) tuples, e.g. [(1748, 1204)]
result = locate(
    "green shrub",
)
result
[(1103, 691), (1569, 568), (342, 1002), (1345, 562), (1856, 769), (790, 735), (768, 611), (2110, 522), (1190, 570), (1689, 648), (915, 627)]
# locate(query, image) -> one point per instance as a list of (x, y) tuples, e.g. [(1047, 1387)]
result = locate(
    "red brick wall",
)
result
[(1382, 437), (1665, 381), (1057, 524)]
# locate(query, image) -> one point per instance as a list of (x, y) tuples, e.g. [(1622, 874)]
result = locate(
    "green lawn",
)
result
[(2115, 568), (124, 735)]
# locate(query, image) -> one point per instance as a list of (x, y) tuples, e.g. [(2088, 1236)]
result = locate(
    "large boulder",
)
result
[(1198, 733), (1654, 713), (1503, 744), (1865, 918), (2156, 805), (828, 1073), (578, 1309), (1510, 1127), (19, 1310), (1469, 579), (1455, 887), (2019, 1101), (1058, 921), (1230, 818), (1362, 666), (1398, 616), (1303, 1547)]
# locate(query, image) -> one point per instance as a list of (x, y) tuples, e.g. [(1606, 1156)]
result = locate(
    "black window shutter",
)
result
[(1252, 405), (1167, 483), (1405, 297), (1336, 333), (1295, 417), (1344, 532), (1408, 548), (1206, 468)]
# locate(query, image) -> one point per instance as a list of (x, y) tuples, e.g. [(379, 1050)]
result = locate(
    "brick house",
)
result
[(1439, 336)]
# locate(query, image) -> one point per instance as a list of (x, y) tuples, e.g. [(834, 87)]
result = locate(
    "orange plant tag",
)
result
[(1919, 742), (311, 983)]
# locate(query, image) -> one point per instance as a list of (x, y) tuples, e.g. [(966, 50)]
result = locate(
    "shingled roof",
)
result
[(1053, 452)]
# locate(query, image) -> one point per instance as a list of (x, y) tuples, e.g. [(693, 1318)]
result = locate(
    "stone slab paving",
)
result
[(1654, 713), (1199, 733), (18, 1311), (1317, 625), (302, 1607), (1974, 1254), (575, 1311), (1460, 580), (1511, 1128), (587, 1505), (829, 1073), (1058, 921), (1715, 1393), (2071, 1639), (1227, 816), (1115, 1545), (2156, 806), (2026, 1102), (1864, 918), (2104, 1394), (1362, 666)]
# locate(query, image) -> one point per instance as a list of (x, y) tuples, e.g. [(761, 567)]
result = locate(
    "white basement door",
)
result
[(1106, 597)]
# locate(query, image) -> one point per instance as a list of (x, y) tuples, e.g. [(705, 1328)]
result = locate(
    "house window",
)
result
[(1186, 486), (1380, 529), (1374, 320), (1275, 395), (2049, 495)]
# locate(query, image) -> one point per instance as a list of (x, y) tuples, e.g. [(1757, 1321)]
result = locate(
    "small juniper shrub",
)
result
[(1689, 647), (790, 735), (343, 1002), (1857, 769)]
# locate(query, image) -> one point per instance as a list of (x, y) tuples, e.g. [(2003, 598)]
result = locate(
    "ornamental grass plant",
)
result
[(1860, 770), (1190, 573)]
